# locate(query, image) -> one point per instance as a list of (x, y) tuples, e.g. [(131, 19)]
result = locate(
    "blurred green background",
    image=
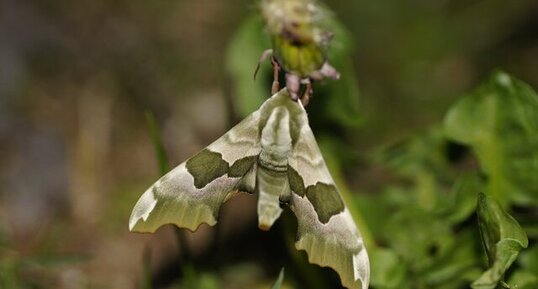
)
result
[(76, 151)]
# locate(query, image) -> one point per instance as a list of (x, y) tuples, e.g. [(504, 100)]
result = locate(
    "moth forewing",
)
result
[(336, 244), (326, 230), (175, 199), (192, 193)]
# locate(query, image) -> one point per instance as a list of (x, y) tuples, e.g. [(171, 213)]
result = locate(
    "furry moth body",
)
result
[(272, 152)]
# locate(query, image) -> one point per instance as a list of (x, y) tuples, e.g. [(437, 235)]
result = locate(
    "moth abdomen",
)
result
[(270, 185)]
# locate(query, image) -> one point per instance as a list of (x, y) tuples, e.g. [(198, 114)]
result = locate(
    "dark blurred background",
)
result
[(76, 78)]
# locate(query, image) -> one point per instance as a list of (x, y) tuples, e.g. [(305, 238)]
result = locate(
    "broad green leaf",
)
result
[(278, 282), (499, 120), (502, 238)]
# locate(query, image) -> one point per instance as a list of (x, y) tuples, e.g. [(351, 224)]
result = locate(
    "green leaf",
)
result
[(502, 238), (499, 120), (278, 281)]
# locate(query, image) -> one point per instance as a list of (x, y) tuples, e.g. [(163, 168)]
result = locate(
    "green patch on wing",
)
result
[(205, 167), (296, 182), (502, 238), (241, 166), (326, 200)]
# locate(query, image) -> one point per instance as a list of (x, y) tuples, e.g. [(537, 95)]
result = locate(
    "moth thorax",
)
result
[(276, 139)]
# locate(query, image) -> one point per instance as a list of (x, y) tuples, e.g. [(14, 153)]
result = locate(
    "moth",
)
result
[(299, 44), (274, 154)]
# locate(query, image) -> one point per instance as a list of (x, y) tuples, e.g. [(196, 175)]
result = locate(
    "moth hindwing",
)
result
[(272, 152)]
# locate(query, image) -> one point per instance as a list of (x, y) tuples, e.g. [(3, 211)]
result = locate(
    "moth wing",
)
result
[(192, 193), (326, 230)]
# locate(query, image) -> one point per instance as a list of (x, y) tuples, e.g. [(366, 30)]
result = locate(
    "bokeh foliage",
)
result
[(76, 78), (426, 226)]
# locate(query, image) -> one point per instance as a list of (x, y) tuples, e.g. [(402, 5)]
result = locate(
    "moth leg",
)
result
[(276, 68), (265, 55), (308, 92), (293, 84)]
